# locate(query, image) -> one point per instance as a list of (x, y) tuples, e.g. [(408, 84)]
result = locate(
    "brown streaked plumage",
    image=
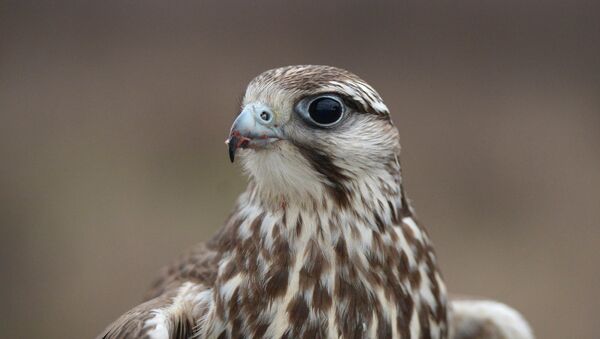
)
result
[(323, 243)]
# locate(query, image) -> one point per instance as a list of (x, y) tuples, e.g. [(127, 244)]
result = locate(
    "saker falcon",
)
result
[(323, 243)]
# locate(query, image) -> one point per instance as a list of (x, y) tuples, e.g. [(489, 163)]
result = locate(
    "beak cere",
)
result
[(253, 128)]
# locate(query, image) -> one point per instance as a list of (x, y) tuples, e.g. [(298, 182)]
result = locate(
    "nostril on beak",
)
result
[(265, 116)]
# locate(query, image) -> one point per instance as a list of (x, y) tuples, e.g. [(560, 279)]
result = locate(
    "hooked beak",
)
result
[(253, 128)]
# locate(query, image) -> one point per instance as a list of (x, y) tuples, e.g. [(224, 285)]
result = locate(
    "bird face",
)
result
[(306, 128)]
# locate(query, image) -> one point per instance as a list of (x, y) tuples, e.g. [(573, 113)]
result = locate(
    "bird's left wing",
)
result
[(472, 318)]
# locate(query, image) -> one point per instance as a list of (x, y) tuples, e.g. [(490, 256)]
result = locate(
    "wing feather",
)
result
[(486, 319)]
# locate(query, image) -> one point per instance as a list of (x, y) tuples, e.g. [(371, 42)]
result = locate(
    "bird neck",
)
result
[(366, 252), (341, 184), (369, 203)]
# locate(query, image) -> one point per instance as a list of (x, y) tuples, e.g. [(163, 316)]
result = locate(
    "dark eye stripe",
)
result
[(335, 176)]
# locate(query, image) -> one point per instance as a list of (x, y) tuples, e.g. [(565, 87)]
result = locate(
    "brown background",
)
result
[(113, 116)]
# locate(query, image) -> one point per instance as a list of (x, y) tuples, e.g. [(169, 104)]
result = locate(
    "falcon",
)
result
[(323, 243)]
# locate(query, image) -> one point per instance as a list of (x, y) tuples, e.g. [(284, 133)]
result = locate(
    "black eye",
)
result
[(325, 111)]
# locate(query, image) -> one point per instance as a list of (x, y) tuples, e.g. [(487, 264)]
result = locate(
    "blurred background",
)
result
[(113, 116)]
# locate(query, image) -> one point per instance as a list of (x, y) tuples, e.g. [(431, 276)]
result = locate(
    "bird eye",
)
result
[(325, 111)]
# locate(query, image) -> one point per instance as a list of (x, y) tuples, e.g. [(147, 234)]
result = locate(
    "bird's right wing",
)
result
[(199, 264), (180, 303), (486, 319), (167, 316), (177, 305)]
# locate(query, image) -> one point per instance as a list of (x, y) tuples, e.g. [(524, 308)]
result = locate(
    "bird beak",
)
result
[(254, 128)]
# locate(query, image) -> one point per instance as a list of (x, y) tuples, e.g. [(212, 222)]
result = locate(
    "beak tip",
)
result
[(232, 147)]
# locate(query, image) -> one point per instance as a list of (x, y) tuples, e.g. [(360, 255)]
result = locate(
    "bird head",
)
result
[(309, 130)]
